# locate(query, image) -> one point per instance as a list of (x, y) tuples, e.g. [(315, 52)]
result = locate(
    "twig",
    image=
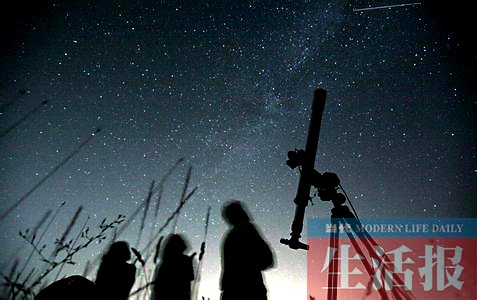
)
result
[(53, 171), (32, 237), (15, 286), (26, 116), (169, 220), (158, 249), (141, 288), (61, 242), (5, 105), (71, 250), (138, 256), (57, 211), (80, 233), (13, 270), (197, 277), (138, 209), (146, 209), (160, 187), (183, 195)]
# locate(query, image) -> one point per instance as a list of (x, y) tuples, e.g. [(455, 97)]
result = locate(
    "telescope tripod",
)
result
[(327, 185), (341, 215)]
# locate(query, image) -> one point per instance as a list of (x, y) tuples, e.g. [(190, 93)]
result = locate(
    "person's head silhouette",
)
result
[(175, 245), (234, 213), (118, 251)]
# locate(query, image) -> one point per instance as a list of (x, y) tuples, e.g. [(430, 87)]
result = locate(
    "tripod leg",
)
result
[(398, 293), (366, 263), (333, 270)]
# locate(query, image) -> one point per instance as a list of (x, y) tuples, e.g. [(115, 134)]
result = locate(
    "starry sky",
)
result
[(228, 86)]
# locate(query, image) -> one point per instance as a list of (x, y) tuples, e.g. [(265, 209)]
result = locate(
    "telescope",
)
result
[(308, 176)]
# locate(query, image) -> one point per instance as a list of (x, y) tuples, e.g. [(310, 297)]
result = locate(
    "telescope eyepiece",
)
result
[(295, 158)]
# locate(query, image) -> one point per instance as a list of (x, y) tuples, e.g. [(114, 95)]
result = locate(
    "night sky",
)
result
[(228, 86)]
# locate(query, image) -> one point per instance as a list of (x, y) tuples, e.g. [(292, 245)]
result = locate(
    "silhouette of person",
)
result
[(245, 254), (175, 273), (116, 276), (72, 288)]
